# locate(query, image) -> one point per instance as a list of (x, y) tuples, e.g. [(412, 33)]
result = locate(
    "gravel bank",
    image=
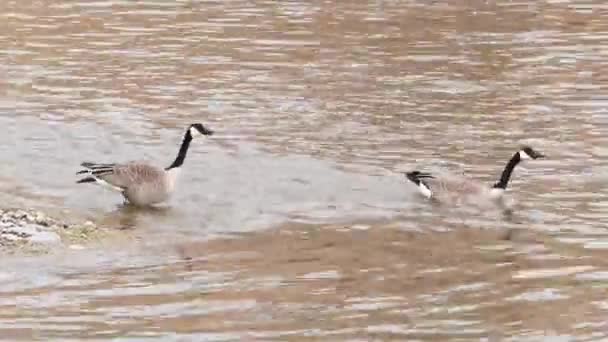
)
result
[(32, 229)]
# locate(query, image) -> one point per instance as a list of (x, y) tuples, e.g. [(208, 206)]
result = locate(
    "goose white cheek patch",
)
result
[(523, 155), (425, 190), (194, 132)]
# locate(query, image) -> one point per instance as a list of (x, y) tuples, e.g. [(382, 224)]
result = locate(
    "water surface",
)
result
[(294, 221)]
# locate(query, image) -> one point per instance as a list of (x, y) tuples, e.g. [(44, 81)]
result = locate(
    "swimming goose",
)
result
[(459, 189), (142, 184)]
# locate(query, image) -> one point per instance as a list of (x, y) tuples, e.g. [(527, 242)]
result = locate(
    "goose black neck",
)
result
[(183, 151), (506, 173)]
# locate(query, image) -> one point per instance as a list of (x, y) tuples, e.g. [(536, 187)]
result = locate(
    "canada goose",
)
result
[(459, 189), (142, 184)]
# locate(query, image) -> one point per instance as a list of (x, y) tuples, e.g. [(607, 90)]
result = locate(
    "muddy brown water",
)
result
[(294, 221)]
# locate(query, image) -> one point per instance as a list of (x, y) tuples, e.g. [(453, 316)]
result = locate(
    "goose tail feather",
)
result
[(96, 169), (86, 180)]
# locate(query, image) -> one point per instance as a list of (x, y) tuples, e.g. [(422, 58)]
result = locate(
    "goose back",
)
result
[(458, 189), (141, 183)]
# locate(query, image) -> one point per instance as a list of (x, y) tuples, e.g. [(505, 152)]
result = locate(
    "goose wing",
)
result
[(123, 175), (449, 188), (455, 184)]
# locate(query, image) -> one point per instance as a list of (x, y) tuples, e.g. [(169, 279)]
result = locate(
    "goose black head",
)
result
[(198, 129), (528, 152), (418, 178)]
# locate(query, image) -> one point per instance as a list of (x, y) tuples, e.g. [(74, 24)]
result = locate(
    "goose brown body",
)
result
[(460, 190)]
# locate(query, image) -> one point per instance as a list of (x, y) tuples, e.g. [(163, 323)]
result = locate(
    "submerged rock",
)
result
[(22, 231), (28, 226)]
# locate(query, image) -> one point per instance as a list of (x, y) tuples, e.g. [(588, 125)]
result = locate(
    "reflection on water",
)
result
[(295, 219), (320, 282)]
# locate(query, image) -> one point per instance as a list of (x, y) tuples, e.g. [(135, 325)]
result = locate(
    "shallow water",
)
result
[(294, 220)]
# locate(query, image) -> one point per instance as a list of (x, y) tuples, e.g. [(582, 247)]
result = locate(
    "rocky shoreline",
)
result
[(21, 228)]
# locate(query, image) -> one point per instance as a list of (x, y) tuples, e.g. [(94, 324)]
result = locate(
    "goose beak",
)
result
[(201, 129), (539, 156)]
